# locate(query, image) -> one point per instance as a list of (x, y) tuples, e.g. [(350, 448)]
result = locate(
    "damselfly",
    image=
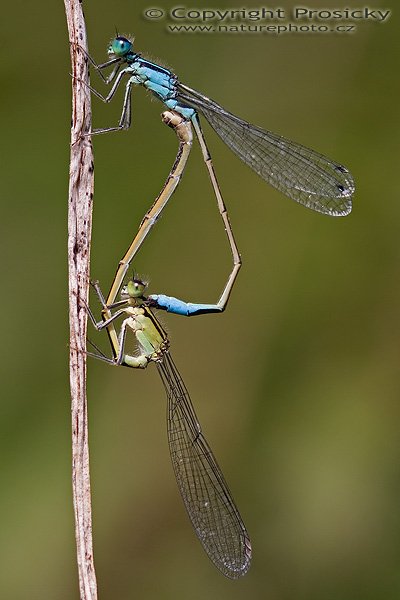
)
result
[(206, 496), (298, 172)]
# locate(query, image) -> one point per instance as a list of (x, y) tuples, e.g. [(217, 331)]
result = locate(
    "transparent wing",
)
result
[(298, 172), (208, 501)]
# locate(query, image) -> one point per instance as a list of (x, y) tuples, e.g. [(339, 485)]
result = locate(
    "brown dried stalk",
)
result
[(81, 180)]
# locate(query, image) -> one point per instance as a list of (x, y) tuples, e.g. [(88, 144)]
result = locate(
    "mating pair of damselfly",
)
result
[(300, 173)]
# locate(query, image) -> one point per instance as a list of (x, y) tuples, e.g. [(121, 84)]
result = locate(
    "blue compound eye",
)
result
[(120, 46)]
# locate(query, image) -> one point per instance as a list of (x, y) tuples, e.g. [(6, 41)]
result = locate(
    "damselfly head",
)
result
[(135, 288), (120, 46)]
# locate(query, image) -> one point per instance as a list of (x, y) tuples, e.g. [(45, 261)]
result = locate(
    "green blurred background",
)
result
[(296, 385)]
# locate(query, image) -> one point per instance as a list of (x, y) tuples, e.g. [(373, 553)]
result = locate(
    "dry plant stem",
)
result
[(79, 233)]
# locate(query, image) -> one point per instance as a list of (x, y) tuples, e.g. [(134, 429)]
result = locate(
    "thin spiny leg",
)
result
[(113, 61), (107, 318), (110, 78), (99, 325), (99, 354), (114, 88), (125, 119)]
